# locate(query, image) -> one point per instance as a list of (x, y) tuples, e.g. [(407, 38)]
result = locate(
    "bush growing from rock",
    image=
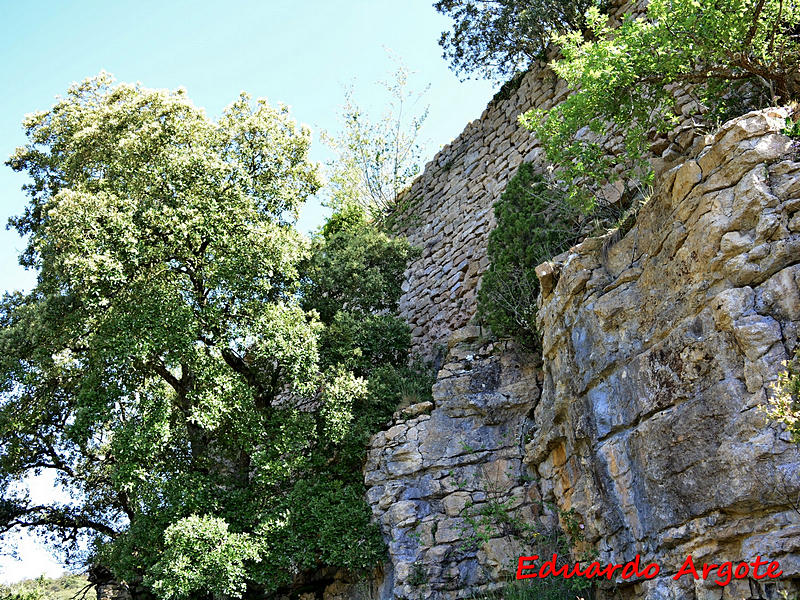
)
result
[(784, 406), (712, 47), (534, 223)]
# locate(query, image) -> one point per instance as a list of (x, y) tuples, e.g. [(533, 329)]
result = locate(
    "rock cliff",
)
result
[(658, 351), (642, 419), (429, 473)]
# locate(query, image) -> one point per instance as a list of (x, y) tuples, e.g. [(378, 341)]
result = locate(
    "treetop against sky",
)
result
[(301, 53)]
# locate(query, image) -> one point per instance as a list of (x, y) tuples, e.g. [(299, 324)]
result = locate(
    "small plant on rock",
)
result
[(497, 517), (784, 405), (418, 576), (792, 128)]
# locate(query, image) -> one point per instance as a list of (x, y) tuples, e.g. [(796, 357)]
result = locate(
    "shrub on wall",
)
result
[(355, 266), (376, 159), (534, 223), (724, 50)]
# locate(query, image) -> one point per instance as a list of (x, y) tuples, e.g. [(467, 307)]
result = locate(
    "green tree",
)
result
[(534, 223), (376, 159), (166, 364), (354, 265), (497, 38), (352, 280), (725, 50)]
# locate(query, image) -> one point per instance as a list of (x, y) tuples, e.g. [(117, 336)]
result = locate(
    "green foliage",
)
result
[(549, 588), (337, 397), (784, 404), (792, 128), (354, 266), (496, 517), (534, 223), (418, 576), (495, 39), (508, 89), (723, 49), (352, 280), (201, 555), (361, 340), (202, 379), (24, 592), (324, 521), (66, 587), (377, 159), (492, 519)]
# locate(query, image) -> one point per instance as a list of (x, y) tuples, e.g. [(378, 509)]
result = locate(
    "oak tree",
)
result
[(165, 365)]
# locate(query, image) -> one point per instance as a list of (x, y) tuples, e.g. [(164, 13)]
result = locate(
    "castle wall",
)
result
[(449, 207)]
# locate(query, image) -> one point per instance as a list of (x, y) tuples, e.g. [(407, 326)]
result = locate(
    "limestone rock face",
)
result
[(642, 416), (658, 351), (432, 471)]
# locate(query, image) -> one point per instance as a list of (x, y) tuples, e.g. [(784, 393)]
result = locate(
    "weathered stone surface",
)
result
[(427, 475), (657, 352), (655, 362)]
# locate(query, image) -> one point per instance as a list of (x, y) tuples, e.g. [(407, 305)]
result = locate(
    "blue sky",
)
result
[(300, 52)]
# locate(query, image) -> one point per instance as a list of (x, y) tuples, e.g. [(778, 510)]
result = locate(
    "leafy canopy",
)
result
[(352, 280), (168, 366), (497, 38), (354, 265), (727, 51)]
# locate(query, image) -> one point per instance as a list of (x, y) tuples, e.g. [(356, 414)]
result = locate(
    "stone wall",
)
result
[(441, 462), (450, 211), (449, 207), (643, 418)]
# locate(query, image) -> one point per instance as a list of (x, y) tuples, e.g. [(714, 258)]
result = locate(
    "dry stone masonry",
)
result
[(449, 208), (450, 214)]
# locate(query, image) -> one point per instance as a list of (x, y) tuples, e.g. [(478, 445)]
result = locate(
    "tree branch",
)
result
[(264, 396), (48, 516), (754, 27)]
